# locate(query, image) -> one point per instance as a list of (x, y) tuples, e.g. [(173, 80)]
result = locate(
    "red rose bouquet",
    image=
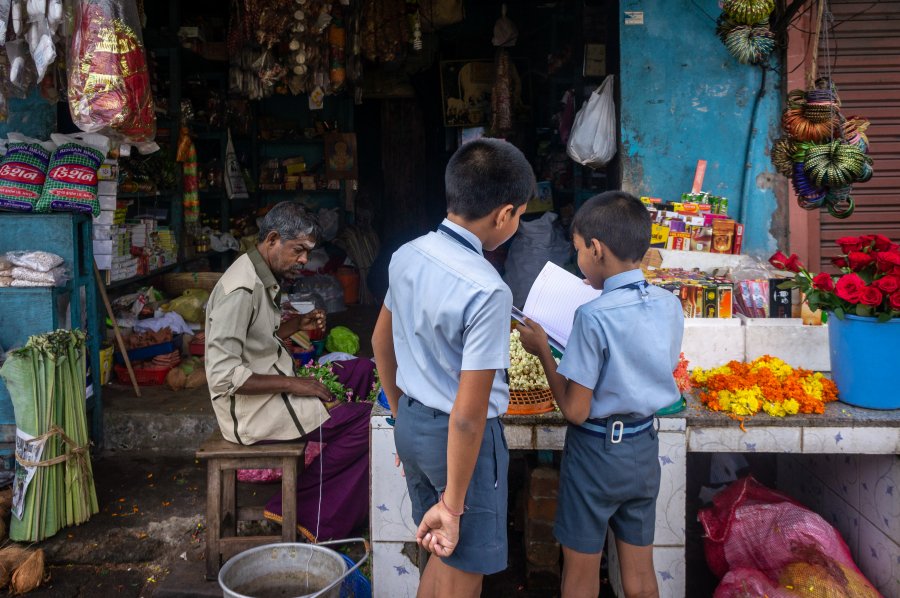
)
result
[(869, 285)]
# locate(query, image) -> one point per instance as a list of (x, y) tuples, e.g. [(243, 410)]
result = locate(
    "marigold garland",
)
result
[(765, 384)]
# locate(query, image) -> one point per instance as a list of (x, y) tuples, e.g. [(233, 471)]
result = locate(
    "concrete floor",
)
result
[(148, 538)]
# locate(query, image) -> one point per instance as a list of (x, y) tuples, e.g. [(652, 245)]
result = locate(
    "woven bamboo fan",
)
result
[(530, 402)]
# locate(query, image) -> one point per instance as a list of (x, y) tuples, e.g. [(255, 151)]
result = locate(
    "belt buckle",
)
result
[(619, 427)]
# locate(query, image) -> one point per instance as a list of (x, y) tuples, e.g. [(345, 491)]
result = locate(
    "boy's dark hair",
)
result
[(617, 219), (485, 174)]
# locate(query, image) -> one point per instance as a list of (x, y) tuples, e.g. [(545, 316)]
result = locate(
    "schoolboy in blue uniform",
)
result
[(615, 374), (441, 344)]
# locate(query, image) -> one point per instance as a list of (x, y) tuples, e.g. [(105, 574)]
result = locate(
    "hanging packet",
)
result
[(22, 172), (71, 184), (235, 187)]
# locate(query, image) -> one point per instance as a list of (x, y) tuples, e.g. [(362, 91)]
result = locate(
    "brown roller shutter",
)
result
[(865, 54)]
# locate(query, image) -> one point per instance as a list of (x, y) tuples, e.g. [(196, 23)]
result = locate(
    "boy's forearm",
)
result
[(559, 386), (386, 358), (466, 430)]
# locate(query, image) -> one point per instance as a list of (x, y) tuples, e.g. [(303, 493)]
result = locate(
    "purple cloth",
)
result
[(356, 374), (343, 468)]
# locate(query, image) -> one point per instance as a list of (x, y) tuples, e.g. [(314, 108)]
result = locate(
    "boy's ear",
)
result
[(504, 214), (597, 249)]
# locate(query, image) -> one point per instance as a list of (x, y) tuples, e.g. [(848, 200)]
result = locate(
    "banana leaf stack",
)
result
[(46, 381)]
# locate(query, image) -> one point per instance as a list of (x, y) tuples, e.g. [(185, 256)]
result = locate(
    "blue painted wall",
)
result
[(33, 116), (684, 98)]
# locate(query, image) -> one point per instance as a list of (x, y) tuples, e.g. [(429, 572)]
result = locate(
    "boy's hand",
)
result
[(439, 531), (534, 339)]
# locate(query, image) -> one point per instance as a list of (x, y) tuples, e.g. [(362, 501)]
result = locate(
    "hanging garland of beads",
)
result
[(822, 152), (743, 27)]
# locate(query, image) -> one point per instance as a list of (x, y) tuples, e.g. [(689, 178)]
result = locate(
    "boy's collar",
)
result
[(622, 278), (466, 234)]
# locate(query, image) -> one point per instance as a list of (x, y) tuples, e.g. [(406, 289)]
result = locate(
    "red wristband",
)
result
[(449, 510)]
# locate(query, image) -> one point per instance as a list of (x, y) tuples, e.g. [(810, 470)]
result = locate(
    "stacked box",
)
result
[(701, 295)]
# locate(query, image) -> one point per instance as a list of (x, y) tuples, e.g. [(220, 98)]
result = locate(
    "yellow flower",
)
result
[(774, 409), (791, 407)]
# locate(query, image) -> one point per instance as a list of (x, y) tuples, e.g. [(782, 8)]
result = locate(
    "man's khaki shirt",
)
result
[(242, 317)]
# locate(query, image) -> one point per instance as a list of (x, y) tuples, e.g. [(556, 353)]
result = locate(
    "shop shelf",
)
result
[(126, 281)]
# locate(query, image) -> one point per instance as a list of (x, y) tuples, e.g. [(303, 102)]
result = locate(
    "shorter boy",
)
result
[(615, 374)]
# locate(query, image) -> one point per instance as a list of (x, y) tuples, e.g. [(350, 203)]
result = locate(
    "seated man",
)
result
[(257, 397)]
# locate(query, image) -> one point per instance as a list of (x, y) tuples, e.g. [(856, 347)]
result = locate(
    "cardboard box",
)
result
[(726, 298), (779, 299), (679, 241), (107, 187), (106, 218), (659, 236), (103, 247), (107, 202), (711, 301), (108, 171), (722, 236)]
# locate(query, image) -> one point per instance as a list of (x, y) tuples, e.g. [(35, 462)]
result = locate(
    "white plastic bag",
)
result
[(592, 141)]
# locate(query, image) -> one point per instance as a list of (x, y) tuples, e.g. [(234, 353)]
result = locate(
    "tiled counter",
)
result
[(842, 430)]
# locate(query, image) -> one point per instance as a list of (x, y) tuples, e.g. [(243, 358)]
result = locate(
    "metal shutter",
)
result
[(865, 53)]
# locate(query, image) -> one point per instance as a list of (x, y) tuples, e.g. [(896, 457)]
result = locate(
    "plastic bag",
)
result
[(109, 84), (71, 184), (235, 187), (189, 305), (593, 139), (41, 261), (342, 340), (23, 171), (751, 528), (536, 243), (54, 278)]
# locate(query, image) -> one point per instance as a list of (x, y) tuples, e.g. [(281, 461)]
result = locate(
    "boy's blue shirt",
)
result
[(450, 312), (624, 345)]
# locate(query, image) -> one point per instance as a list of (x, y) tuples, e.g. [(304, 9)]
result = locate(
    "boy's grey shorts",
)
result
[(420, 433), (604, 484)]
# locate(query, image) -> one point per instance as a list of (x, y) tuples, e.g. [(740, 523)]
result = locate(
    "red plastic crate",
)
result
[(145, 376)]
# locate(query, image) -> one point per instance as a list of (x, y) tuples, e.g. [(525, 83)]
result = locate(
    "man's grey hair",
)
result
[(291, 221)]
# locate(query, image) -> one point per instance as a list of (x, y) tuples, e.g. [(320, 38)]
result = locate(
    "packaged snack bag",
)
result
[(22, 172), (71, 184)]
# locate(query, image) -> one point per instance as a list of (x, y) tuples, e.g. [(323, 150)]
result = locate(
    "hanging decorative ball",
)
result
[(835, 164), (782, 156), (796, 125), (809, 197), (820, 112), (840, 204), (866, 174), (748, 12), (796, 99), (750, 45)]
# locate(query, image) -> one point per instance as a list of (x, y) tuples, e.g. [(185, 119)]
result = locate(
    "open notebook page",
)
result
[(553, 299)]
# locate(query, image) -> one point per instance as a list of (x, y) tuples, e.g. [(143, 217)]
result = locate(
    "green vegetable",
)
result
[(343, 340), (46, 381)]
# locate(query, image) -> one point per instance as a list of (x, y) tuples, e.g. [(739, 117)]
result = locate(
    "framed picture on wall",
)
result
[(466, 87), (340, 156)]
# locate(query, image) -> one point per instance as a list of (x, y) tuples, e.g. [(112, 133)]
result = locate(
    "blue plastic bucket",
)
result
[(861, 350)]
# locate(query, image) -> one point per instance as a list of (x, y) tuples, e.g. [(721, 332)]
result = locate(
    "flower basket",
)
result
[(864, 380), (530, 402)]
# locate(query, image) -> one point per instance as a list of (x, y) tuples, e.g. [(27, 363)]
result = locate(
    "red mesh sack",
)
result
[(764, 543)]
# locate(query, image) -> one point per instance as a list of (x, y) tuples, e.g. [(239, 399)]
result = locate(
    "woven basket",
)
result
[(530, 402), (179, 282)]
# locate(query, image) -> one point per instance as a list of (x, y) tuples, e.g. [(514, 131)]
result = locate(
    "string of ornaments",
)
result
[(743, 27), (823, 152)]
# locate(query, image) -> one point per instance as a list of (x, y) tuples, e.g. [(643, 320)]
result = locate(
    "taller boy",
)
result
[(442, 343)]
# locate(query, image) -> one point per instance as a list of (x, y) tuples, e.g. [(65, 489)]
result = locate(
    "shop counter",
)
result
[(819, 462)]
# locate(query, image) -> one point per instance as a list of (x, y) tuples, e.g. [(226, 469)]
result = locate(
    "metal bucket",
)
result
[(289, 570)]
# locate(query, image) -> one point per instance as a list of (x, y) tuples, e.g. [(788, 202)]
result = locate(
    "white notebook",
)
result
[(552, 301)]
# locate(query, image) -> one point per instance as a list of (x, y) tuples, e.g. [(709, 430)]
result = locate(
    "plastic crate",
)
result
[(145, 376), (149, 352)]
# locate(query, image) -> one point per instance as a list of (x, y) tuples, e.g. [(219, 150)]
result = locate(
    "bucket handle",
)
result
[(358, 564)]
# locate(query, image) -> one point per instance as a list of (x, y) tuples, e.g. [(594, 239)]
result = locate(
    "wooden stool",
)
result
[(223, 459)]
